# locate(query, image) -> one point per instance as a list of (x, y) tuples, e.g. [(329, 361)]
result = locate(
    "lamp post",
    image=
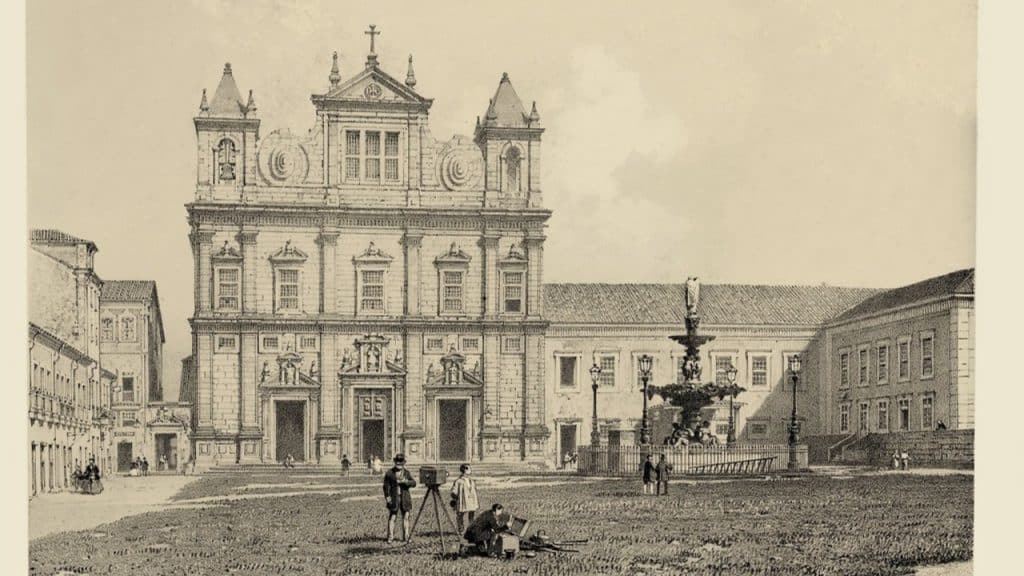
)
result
[(794, 424), (731, 375), (595, 434), (645, 376)]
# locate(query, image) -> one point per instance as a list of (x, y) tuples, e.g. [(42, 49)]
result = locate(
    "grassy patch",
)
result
[(879, 525)]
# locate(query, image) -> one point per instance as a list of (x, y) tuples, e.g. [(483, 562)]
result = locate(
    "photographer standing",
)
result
[(464, 497), (397, 482)]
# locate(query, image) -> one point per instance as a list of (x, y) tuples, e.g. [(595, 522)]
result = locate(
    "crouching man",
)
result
[(483, 531)]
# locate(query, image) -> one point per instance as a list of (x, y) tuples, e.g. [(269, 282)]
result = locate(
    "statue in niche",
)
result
[(373, 359), (346, 359), (264, 373), (314, 371), (398, 357), (476, 368)]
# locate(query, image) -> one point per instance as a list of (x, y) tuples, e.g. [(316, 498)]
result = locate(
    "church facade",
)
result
[(365, 289)]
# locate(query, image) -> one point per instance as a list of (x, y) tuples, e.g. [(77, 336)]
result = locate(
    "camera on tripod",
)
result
[(433, 476)]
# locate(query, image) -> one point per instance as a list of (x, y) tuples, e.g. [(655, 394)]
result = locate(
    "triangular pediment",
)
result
[(373, 85)]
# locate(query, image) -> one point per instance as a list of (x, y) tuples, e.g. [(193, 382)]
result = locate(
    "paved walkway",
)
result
[(122, 496)]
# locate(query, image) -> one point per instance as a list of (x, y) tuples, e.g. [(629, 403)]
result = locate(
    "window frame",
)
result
[(929, 336), (219, 339), (442, 292), (129, 377), (751, 372), (123, 334), (844, 417), (928, 400), (362, 157), (864, 416), (505, 285), (577, 358), (863, 365), (361, 286), (902, 402), (603, 380), (732, 356), (901, 360), (882, 373), (218, 287), (882, 408), (844, 371), (278, 283), (517, 349)]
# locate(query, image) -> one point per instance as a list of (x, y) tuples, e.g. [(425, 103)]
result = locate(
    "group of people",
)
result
[(482, 530), (900, 460), (569, 460), (139, 467), (657, 474), (88, 481)]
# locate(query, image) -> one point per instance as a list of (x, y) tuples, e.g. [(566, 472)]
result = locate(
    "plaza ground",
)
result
[(835, 522)]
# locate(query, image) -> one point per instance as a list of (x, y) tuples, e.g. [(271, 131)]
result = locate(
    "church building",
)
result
[(365, 289)]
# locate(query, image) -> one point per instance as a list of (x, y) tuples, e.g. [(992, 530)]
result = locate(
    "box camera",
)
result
[(432, 476)]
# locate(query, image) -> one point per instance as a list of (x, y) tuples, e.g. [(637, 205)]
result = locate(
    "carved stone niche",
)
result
[(371, 354)]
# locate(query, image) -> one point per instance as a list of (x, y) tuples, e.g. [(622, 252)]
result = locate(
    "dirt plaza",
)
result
[(302, 522)]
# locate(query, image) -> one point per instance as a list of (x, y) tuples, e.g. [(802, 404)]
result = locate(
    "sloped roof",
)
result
[(57, 237), (960, 282), (227, 100), (506, 109), (128, 291), (720, 304)]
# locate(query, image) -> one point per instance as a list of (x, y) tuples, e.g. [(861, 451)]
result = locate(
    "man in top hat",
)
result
[(397, 482)]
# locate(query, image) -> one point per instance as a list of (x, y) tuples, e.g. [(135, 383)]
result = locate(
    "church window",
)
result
[(270, 344), (352, 154), (372, 155), (607, 364), (227, 288), (107, 329), (512, 344), (307, 343), (435, 344), (287, 289), (927, 355), (128, 328), (451, 287), (391, 156), (226, 159), (513, 170), (513, 292), (371, 289)]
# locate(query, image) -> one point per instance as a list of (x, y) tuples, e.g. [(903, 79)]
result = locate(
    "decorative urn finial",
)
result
[(410, 76), (335, 76)]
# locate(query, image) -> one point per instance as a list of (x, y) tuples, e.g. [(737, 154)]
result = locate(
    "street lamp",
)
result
[(645, 376), (794, 424), (595, 434), (730, 374)]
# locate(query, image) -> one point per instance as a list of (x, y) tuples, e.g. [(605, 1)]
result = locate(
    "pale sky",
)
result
[(772, 142)]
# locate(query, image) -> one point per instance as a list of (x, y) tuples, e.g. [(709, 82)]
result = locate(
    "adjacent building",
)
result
[(68, 391), (366, 288)]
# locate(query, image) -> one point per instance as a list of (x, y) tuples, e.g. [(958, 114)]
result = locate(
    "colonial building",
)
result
[(131, 346), (365, 288), (756, 330), (903, 360), (68, 391)]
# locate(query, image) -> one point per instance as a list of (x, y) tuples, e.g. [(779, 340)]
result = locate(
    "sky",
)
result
[(772, 143)]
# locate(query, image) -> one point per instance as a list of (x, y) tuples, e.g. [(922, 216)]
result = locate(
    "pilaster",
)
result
[(202, 242), (412, 242), (328, 242), (535, 275), (491, 297), (247, 240)]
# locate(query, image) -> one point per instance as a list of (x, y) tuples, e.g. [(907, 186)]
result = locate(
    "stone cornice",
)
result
[(208, 123), (338, 324), (560, 330), (915, 310)]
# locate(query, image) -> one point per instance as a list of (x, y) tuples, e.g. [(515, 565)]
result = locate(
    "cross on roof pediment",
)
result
[(372, 85)]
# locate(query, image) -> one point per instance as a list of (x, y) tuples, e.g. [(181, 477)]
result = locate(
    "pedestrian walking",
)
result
[(662, 472), (905, 460), (145, 466), (464, 497), (649, 475), (397, 482), (345, 465)]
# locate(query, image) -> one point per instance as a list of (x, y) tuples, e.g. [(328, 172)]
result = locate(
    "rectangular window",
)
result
[(108, 329), (927, 355), (567, 371), (128, 389), (452, 291), (722, 365), (758, 371), (513, 292), (352, 154), (391, 156), (903, 351), (607, 364), (904, 414), (270, 344), (882, 361), (862, 366), (470, 345), (372, 291), (844, 418), (435, 344), (864, 414), (758, 429), (512, 344), (883, 415), (844, 369), (927, 413), (372, 155), (227, 344), (307, 343), (228, 288), (722, 429), (287, 289)]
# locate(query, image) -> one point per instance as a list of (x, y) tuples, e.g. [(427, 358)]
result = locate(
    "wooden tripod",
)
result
[(434, 495)]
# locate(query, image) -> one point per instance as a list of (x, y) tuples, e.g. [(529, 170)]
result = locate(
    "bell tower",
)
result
[(226, 133), (510, 141)]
